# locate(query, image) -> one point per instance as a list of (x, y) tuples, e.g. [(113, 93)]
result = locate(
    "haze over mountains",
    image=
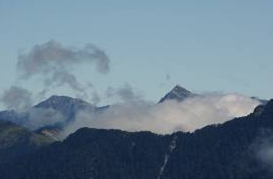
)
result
[(88, 89), (237, 149), (49, 116), (178, 110)]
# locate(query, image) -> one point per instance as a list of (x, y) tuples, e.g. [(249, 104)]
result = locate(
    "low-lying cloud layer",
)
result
[(167, 117)]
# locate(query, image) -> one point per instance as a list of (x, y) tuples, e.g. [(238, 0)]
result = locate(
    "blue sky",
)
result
[(211, 45)]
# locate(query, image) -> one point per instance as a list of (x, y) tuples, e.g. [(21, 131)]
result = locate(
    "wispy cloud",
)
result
[(54, 65), (16, 98)]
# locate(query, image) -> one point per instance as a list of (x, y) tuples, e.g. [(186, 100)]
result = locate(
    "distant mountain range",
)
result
[(223, 151), (226, 151), (68, 107)]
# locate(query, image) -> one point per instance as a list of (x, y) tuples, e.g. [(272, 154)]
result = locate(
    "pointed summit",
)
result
[(67, 106), (177, 93)]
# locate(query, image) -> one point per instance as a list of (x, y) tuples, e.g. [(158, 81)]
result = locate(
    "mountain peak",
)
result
[(55, 101), (179, 88), (67, 106), (177, 93)]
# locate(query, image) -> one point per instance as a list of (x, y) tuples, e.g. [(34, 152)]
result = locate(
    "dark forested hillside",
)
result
[(224, 151), (16, 141)]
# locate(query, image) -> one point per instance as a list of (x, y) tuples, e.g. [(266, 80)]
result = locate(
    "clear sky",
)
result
[(211, 45)]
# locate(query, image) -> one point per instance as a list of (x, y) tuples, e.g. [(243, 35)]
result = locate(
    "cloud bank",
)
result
[(167, 117)]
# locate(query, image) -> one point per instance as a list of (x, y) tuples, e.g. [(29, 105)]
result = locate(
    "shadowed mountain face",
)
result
[(12, 116), (67, 106), (177, 93), (225, 151)]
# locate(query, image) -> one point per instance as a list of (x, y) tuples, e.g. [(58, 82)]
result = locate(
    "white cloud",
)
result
[(167, 117)]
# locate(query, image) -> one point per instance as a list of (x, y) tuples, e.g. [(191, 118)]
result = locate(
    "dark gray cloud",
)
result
[(61, 78), (52, 57), (55, 64), (17, 98)]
